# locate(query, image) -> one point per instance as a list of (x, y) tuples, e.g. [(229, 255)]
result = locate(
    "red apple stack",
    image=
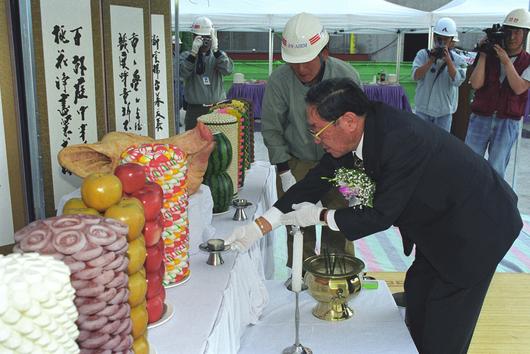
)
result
[(150, 195), (166, 165)]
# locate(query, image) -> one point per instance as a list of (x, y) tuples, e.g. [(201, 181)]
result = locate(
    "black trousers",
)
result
[(441, 316)]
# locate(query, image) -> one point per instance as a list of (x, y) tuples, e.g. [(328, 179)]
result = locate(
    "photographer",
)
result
[(501, 79), (438, 73), (202, 70)]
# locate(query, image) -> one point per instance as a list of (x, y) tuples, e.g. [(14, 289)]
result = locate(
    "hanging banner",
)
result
[(128, 58), (162, 59), (69, 76)]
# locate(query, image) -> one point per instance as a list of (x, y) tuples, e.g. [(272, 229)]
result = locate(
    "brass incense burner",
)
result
[(333, 279)]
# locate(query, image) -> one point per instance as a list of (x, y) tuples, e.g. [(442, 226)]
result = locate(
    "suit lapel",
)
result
[(369, 144)]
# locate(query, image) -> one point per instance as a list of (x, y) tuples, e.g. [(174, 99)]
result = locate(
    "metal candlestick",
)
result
[(297, 348), (240, 205)]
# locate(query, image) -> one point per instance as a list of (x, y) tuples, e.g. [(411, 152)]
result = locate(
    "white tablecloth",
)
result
[(214, 307), (376, 327)]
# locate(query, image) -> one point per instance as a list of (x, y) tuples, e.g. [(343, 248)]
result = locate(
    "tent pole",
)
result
[(271, 49), (430, 39), (399, 54), (176, 72)]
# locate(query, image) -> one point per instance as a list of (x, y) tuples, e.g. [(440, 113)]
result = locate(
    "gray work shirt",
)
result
[(283, 115), (206, 88), (437, 92)]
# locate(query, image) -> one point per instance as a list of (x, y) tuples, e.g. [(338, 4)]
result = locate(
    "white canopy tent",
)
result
[(335, 15), (346, 15), (477, 14)]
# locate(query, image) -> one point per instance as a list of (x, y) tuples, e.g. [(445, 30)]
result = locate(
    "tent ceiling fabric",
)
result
[(345, 15), (478, 14)]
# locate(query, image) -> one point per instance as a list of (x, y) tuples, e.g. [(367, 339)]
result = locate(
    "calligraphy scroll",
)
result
[(128, 67), (161, 57), (69, 83)]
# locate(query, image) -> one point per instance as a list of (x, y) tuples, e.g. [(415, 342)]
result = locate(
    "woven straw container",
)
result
[(227, 124)]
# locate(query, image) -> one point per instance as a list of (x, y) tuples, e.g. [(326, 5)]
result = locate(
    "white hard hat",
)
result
[(445, 27), (518, 18), (455, 38), (202, 26), (303, 38)]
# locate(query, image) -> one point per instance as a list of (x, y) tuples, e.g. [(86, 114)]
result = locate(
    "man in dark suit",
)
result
[(444, 198)]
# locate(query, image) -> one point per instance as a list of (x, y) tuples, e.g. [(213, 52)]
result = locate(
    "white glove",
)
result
[(215, 41), (196, 45), (244, 236), (288, 180), (304, 214)]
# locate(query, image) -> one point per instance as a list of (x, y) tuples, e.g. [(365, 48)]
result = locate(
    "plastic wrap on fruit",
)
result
[(104, 156)]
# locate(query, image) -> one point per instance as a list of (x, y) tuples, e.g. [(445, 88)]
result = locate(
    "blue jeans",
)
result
[(494, 134), (443, 122)]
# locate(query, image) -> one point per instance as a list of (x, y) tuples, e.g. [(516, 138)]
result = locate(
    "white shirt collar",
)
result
[(359, 150)]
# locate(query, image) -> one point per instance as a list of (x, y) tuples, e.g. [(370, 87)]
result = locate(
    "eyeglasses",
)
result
[(317, 134)]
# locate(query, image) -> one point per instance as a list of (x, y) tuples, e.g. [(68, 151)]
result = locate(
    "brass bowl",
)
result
[(333, 289)]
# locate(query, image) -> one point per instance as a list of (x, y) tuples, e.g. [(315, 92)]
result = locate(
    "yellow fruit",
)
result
[(139, 320), (141, 345), (101, 190), (85, 211), (128, 212), (137, 289), (74, 203), (136, 253)]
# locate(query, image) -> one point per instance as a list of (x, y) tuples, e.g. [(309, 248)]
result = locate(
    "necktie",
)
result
[(357, 162)]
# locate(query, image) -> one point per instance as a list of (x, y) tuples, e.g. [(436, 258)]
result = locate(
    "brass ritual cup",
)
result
[(333, 280)]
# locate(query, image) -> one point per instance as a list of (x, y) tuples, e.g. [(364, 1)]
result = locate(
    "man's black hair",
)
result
[(334, 97)]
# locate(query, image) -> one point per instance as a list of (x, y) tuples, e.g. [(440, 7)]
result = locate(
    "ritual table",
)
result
[(393, 95), (250, 91), (376, 326), (215, 305)]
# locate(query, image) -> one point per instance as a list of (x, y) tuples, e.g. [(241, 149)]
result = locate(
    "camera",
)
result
[(494, 35), (437, 52), (206, 41)]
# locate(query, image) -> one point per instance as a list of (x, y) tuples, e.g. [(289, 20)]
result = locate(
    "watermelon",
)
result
[(222, 190), (221, 155)]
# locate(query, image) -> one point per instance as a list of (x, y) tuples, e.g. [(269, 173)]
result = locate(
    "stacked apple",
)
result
[(133, 179), (105, 193)]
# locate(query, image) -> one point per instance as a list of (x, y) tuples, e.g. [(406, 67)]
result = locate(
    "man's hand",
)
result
[(447, 56), (288, 180), (304, 214), (501, 53), (196, 45), (244, 236), (215, 41)]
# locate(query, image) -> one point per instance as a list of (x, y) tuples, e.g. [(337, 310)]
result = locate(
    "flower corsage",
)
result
[(354, 185)]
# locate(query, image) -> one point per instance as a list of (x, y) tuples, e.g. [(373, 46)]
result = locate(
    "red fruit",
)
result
[(153, 230), (161, 246), (154, 284), (151, 196), (132, 177), (155, 309), (154, 259), (162, 294)]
